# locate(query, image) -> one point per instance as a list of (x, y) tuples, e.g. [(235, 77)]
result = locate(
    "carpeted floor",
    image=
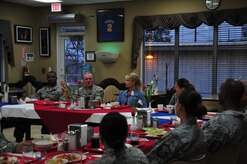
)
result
[(8, 132)]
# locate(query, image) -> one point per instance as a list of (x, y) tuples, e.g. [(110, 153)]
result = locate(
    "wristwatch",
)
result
[(212, 4)]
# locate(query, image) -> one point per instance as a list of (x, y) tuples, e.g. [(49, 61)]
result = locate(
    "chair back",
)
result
[(200, 160), (226, 155), (111, 89), (110, 93), (29, 83), (242, 157)]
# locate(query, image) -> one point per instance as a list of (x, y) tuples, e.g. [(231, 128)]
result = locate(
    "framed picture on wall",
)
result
[(110, 25), (44, 41), (90, 56), (23, 34)]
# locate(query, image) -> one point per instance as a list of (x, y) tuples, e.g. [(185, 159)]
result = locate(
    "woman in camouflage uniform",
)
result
[(187, 140)]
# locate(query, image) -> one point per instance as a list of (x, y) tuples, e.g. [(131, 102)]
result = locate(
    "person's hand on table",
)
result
[(19, 146)]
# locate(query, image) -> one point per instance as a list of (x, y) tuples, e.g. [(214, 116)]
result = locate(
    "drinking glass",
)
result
[(27, 151), (134, 138), (3, 146)]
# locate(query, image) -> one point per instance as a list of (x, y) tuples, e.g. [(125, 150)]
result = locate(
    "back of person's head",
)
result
[(114, 130), (184, 83), (134, 77), (191, 100), (231, 92)]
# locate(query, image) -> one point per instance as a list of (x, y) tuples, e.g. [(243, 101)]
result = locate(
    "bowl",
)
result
[(43, 143)]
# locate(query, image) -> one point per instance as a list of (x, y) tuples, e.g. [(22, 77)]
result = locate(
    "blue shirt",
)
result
[(125, 99)]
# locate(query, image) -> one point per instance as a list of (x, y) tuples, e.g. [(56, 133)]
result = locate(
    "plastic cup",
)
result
[(160, 106)]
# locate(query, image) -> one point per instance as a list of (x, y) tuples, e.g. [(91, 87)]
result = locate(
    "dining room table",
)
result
[(58, 119), (88, 154), (55, 118)]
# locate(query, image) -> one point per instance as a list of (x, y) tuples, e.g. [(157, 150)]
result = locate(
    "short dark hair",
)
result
[(233, 90), (192, 102), (184, 83), (114, 130), (51, 72)]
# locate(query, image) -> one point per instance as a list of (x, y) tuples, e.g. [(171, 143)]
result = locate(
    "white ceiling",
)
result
[(65, 2)]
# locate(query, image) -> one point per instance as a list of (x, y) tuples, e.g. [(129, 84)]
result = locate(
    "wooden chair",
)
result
[(112, 89), (225, 155), (199, 160)]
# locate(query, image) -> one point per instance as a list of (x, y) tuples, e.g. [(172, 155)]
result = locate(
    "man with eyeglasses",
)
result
[(89, 90)]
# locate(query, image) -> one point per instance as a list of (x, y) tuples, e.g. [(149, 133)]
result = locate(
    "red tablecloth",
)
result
[(57, 119)]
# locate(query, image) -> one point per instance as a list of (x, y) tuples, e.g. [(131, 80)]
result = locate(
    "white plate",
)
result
[(9, 160), (71, 157), (43, 143)]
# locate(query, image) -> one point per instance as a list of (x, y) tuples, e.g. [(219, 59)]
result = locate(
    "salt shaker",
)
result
[(60, 145), (155, 122), (139, 121), (72, 140)]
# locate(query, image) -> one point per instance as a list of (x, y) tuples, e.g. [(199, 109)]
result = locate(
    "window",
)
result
[(162, 43), (194, 58)]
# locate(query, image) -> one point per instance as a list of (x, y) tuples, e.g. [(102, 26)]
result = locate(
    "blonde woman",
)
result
[(133, 93)]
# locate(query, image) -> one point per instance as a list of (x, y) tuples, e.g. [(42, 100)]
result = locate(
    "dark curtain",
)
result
[(6, 36), (191, 20)]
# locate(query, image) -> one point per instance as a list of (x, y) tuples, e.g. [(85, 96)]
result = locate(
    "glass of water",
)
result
[(27, 151)]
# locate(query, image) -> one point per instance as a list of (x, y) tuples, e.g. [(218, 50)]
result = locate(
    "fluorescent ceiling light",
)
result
[(48, 1)]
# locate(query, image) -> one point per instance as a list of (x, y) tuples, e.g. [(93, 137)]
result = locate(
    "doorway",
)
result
[(71, 54)]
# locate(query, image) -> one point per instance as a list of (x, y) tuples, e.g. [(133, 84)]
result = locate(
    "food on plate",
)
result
[(56, 161), (71, 157), (8, 160), (154, 131)]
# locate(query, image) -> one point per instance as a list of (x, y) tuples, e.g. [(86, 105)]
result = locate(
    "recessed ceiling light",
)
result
[(48, 1)]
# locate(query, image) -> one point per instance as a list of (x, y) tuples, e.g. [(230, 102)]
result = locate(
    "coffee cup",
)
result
[(160, 106), (170, 108)]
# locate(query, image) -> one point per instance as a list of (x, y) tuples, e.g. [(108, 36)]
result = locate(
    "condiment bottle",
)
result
[(155, 122)]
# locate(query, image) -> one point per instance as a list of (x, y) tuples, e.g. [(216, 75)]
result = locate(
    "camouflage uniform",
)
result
[(96, 92), (173, 99), (124, 156), (184, 142), (51, 93), (226, 128)]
